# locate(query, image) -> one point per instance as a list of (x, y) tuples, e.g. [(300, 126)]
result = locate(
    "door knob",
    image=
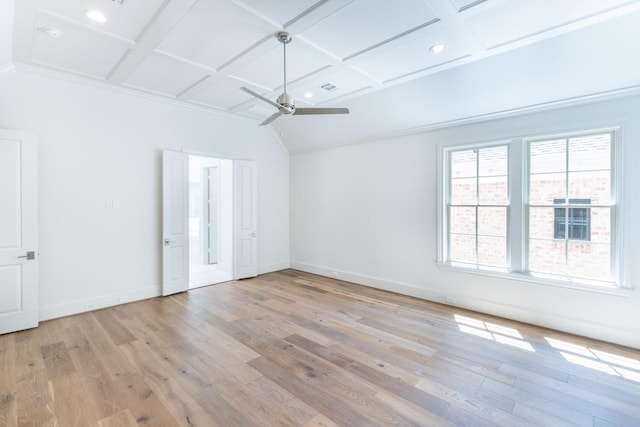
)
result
[(166, 242), (29, 256)]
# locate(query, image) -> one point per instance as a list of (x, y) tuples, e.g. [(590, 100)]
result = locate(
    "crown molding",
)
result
[(530, 109)]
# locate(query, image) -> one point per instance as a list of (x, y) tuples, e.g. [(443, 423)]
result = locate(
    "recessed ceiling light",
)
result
[(437, 48), (308, 95), (96, 15)]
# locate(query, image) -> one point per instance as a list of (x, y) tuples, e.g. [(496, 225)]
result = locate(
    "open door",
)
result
[(18, 232), (245, 219), (175, 222)]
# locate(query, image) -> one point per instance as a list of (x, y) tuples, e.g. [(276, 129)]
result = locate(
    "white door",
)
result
[(245, 219), (175, 222), (213, 215), (18, 232)]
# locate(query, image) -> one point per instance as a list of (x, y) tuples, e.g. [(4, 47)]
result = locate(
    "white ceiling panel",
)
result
[(267, 71), (277, 11), (346, 81), (213, 33), (462, 5), (78, 50), (518, 19), (200, 52), (414, 56), (223, 93), (125, 20), (365, 24), (258, 109), (163, 74)]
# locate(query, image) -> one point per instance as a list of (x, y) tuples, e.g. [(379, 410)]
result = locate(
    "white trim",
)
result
[(98, 302), (480, 118), (372, 281), (544, 319), (518, 218), (270, 268), (529, 278)]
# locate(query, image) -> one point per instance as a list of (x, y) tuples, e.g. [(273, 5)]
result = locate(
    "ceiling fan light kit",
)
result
[(285, 102)]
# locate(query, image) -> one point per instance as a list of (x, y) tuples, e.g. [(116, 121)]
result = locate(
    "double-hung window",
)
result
[(540, 207), (478, 206)]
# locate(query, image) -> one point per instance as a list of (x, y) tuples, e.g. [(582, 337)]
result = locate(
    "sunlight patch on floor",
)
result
[(612, 364), (492, 331)]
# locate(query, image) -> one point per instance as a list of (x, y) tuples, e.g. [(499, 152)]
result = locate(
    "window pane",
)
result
[(548, 156), (547, 256), (464, 164), (545, 188), (463, 191), (541, 223), (492, 251), (492, 221), (592, 152), (462, 248), (462, 220), (594, 185), (589, 260), (493, 190), (601, 225), (493, 161)]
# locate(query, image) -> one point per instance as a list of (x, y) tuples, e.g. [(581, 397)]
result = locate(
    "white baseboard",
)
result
[(97, 303), (263, 269), (522, 314)]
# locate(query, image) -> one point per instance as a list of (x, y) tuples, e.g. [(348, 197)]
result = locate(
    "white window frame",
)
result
[(517, 221), (445, 200)]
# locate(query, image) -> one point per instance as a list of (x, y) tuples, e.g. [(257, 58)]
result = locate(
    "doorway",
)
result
[(241, 206), (210, 221)]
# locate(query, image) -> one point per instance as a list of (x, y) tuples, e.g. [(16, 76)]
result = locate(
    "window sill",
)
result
[(524, 277)]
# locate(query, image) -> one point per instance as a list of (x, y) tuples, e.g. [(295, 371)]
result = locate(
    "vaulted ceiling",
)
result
[(200, 52)]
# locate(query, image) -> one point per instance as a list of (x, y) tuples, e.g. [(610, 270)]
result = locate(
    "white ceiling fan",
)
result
[(285, 102)]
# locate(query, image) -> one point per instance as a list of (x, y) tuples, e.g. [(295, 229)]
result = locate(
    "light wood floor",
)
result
[(294, 349)]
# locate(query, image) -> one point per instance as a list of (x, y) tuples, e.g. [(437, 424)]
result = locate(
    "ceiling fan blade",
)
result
[(257, 95), (271, 118), (303, 111)]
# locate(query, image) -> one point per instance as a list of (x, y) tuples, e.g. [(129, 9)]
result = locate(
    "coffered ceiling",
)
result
[(200, 52)]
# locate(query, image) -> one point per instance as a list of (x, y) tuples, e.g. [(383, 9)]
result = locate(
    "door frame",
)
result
[(235, 268)]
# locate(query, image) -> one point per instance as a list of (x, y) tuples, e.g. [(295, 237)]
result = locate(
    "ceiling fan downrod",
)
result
[(285, 103)]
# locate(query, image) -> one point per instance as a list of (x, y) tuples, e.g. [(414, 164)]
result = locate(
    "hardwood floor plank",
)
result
[(394, 385), (178, 400), (294, 349), (8, 385), (321, 421), (57, 360), (123, 418), (72, 404), (224, 413), (416, 413), (332, 407), (35, 405), (118, 332), (145, 406), (541, 403)]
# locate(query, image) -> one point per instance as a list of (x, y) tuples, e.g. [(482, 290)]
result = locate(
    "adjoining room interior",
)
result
[(319, 212), (210, 221)]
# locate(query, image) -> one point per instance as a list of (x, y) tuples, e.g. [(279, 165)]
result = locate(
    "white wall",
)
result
[(97, 144), (367, 213)]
